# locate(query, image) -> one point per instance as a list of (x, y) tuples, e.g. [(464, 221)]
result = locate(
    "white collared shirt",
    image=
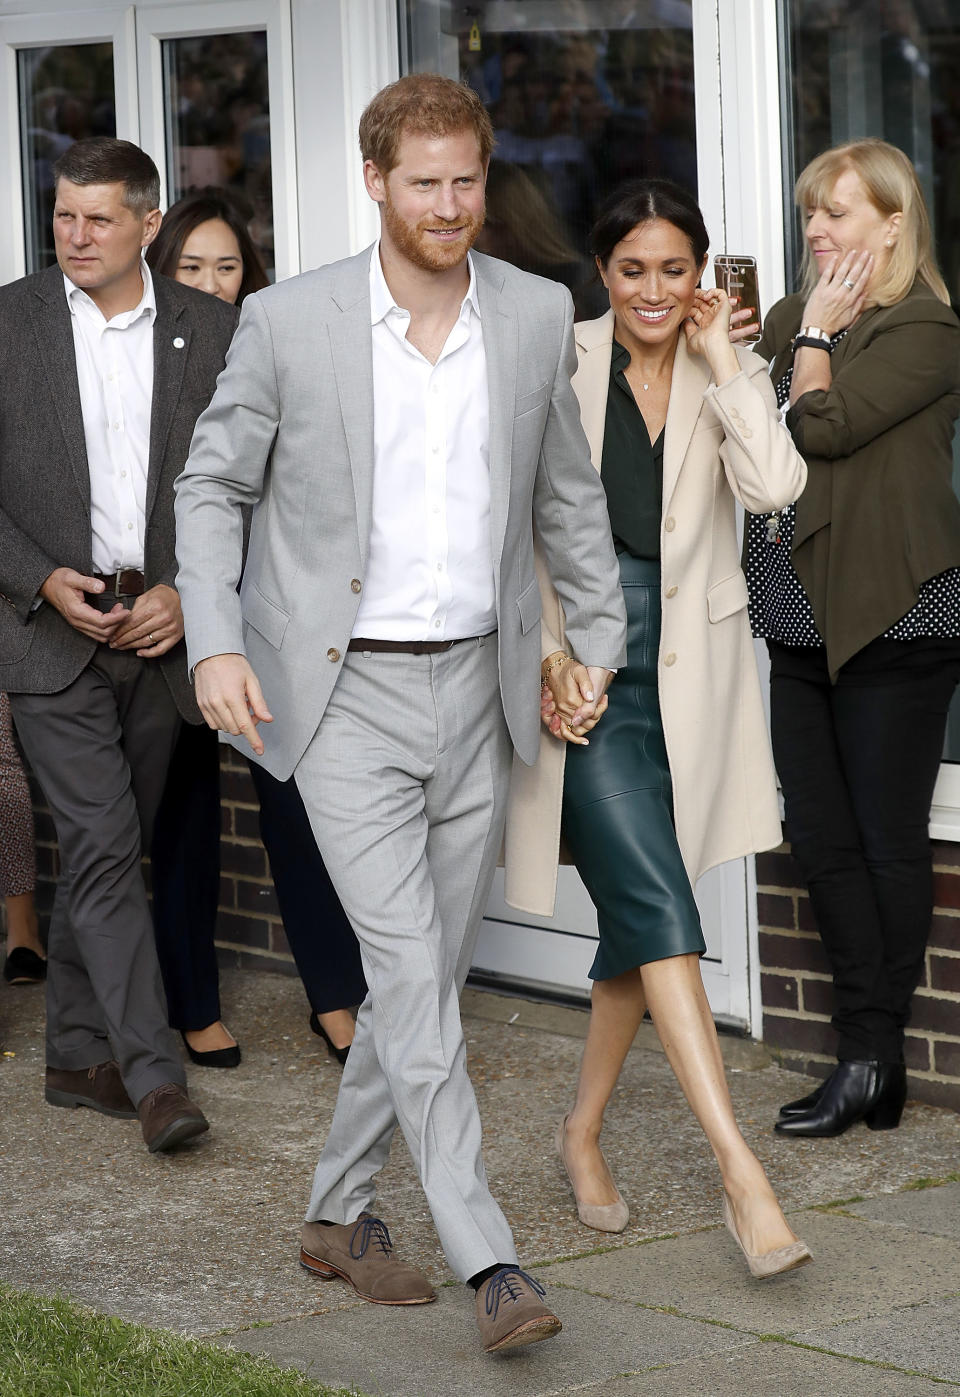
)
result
[(430, 565), (115, 373)]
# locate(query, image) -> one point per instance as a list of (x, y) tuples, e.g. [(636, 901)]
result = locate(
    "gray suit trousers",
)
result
[(100, 749), (405, 783)]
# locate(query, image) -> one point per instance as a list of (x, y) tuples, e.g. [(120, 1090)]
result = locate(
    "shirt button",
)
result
[(439, 567), (116, 426), (435, 450), (670, 658), (333, 655), (123, 475), (437, 625), (355, 585), (129, 526), (669, 523), (672, 591)]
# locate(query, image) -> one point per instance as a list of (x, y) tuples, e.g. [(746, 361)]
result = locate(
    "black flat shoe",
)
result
[(24, 967), (339, 1053), (216, 1057), (805, 1104), (872, 1092)]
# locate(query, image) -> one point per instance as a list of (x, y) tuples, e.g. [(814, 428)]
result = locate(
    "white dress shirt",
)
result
[(115, 373), (430, 564)]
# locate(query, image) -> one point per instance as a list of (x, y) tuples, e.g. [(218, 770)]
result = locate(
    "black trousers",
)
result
[(185, 855), (858, 761)]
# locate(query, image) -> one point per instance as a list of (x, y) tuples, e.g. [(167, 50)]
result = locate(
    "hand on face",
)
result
[(840, 294)]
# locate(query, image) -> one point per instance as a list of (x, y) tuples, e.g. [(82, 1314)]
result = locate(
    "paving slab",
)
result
[(769, 1370), (925, 1338), (935, 1210), (860, 1269), (433, 1350)]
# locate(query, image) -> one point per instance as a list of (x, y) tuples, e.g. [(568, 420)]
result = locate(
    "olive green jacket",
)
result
[(879, 515)]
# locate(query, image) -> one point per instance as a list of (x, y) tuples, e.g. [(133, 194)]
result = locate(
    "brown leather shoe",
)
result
[(511, 1312), (361, 1252), (168, 1117), (100, 1087)]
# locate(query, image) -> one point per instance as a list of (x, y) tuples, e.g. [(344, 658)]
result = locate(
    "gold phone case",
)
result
[(737, 275)]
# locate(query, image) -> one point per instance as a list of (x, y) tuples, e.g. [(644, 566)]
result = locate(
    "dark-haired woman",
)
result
[(204, 242), (677, 774), (857, 590)]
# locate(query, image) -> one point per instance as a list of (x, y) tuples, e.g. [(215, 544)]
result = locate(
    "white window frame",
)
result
[(55, 29), (155, 23)]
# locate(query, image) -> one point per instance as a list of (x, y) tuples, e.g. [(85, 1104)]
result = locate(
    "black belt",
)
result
[(125, 582), (407, 647)]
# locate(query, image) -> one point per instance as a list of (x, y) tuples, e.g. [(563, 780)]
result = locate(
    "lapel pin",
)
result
[(178, 343)]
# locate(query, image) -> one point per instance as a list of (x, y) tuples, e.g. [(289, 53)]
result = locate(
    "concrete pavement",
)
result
[(205, 1241)]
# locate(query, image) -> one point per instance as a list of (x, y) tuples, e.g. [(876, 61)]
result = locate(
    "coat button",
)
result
[(333, 655), (669, 523), (355, 585), (670, 658), (672, 591)]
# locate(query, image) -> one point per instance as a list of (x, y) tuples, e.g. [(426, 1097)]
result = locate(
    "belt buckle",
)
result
[(111, 582)]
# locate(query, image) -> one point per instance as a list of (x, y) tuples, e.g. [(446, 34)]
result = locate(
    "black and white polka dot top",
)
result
[(779, 607)]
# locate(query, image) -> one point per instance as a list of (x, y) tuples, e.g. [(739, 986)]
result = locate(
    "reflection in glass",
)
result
[(581, 98), (218, 124), (66, 92), (885, 69)]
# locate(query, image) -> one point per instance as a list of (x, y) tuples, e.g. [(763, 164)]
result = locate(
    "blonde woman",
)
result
[(857, 591)]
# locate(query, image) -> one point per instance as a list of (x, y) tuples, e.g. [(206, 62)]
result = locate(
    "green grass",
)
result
[(54, 1348)]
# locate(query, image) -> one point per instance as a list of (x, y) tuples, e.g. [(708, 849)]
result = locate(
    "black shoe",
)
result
[(24, 967), (216, 1057), (873, 1092), (339, 1053), (805, 1104)]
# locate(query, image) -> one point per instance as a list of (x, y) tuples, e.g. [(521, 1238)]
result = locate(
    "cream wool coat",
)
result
[(722, 445)]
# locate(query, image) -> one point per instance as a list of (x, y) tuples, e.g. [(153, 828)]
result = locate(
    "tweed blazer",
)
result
[(290, 432), (44, 476), (721, 445), (879, 515)]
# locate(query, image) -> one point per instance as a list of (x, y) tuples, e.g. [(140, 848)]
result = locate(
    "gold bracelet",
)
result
[(560, 658)]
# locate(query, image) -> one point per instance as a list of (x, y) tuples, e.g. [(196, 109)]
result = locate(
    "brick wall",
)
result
[(797, 993)]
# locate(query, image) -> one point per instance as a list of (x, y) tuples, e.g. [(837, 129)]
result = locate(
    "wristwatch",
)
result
[(812, 337)]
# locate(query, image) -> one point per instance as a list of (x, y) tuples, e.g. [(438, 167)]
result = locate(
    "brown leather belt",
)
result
[(125, 582), (406, 647)]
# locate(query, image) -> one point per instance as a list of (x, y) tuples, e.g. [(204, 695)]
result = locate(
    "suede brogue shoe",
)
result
[(362, 1254), (511, 1312), (100, 1087), (169, 1118)]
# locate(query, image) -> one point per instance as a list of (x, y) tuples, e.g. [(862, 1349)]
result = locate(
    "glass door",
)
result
[(581, 98)]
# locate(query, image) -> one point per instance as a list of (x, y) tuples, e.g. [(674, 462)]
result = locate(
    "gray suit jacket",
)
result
[(45, 481), (290, 430)]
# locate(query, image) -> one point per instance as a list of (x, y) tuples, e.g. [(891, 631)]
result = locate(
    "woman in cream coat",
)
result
[(684, 425)]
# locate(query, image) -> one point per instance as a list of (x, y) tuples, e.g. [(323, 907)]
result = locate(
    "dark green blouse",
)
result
[(631, 468)]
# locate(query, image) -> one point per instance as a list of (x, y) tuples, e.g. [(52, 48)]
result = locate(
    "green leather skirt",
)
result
[(618, 805)]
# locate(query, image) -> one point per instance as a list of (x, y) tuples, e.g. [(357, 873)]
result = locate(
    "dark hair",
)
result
[(199, 206), (105, 160), (640, 201), (422, 104)]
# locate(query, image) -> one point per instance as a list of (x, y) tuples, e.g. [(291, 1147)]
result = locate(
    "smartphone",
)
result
[(738, 277)]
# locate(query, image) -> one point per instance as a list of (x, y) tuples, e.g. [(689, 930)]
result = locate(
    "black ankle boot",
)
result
[(805, 1104), (873, 1092)]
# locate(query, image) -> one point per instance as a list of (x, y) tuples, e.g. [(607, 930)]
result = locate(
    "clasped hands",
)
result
[(151, 627), (573, 697)]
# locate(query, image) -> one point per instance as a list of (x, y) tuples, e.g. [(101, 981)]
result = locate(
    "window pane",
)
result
[(66, 93), (883, 69), (581, 97), (218, 123)]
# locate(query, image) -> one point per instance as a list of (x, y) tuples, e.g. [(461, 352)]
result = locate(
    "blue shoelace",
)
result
[(504, 1286), (370, 1229)]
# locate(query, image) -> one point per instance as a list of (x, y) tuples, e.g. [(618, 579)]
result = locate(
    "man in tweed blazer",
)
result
[(103, 373)]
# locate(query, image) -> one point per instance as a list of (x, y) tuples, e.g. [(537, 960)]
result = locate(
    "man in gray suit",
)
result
[(103, 372), (399, 421)]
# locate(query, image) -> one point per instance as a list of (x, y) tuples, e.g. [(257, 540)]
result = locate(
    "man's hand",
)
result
[(153, 625), (230, 697), (64, 591)]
